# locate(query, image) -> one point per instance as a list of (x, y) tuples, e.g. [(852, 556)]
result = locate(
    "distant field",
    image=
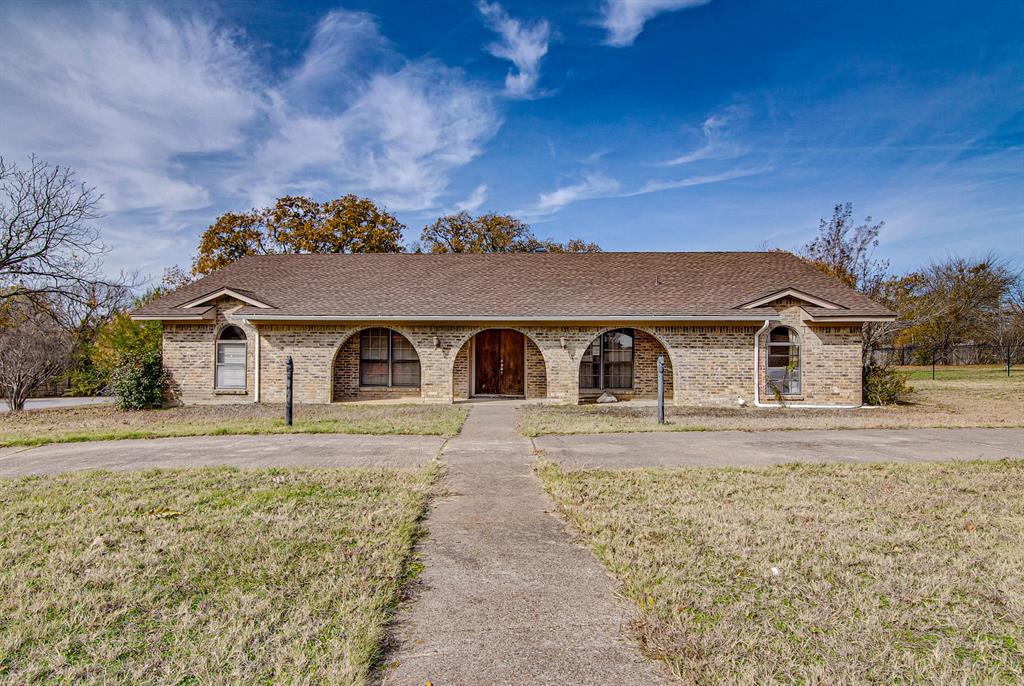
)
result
[(979, 372)]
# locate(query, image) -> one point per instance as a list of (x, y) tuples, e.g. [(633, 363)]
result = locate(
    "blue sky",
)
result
[(639, 124)]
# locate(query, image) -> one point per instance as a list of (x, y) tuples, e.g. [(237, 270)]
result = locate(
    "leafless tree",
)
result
[(1008, 329), (846, 251), (34, 349), (48, 245)]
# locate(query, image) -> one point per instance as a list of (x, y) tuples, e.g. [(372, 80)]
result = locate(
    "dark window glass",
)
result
[(405, 363), (373, 357), (590, 367), (231, 333), (386, 358), (608, 361), (784, 361)]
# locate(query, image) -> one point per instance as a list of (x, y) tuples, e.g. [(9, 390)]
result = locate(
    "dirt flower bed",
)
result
[(33, 427), (815, 574), (204, 576), (973, 398)]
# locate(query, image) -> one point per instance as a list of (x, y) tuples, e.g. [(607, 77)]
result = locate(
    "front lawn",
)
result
[(203, 576), (973, 397), (815, 574), (35, 427)]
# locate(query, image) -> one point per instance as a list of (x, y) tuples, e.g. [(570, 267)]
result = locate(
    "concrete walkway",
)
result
[(285, 450), (506, 597), (744, 448)]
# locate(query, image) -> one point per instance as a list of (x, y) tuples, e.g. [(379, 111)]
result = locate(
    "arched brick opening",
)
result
[(535, 369), (647, 346), (346, 381)]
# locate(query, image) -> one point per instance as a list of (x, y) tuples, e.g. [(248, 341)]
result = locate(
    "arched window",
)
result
[(784, 360), (608, 361), (230, 359), (387, 358)]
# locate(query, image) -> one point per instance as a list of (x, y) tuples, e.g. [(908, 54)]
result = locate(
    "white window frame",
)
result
[(218, 365)]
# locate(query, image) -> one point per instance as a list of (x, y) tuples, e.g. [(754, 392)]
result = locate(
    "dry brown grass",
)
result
[(973, 398), (34, 427), (815, 574), (203, 576)]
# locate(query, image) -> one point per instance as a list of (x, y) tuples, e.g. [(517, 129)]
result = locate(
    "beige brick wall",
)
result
[(190, 357), (536, 372), (830, 360), (708, 364)]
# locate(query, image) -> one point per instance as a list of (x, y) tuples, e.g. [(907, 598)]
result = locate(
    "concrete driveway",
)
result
[(287, 450), (46, 403), (744, 448)]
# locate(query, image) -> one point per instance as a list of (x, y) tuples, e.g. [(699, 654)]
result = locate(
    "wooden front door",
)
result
[(499, 364)]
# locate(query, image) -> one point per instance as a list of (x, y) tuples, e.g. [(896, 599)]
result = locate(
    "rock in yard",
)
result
[(607, 397)]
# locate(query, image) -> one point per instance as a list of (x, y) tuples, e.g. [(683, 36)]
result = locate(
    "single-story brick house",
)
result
[(565, 327)]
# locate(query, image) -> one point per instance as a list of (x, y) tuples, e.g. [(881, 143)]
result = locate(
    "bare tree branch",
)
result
[(48, 246)]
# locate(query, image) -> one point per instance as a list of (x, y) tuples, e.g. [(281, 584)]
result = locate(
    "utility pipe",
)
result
[(757, 380)]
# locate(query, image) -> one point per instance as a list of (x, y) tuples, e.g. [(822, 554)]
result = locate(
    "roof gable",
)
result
[(247, 297), (792, 293)]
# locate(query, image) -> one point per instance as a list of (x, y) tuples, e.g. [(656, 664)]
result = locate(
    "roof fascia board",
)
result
[(172, 317), (793, 293), (506, 318), (844, 319)]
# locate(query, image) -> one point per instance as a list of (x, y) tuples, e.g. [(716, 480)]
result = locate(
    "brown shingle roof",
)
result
[(518, 285)]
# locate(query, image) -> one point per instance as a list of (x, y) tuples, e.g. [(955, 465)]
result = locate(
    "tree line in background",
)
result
[(956, 301), (61, 317)]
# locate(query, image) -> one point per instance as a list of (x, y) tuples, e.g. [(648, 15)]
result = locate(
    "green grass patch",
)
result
[(69, 425), (815, 574), (204, 576), (977, 372)]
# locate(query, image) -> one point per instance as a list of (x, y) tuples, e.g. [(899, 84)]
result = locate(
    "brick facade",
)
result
[(705, 363), (830, 360), (190, 356)]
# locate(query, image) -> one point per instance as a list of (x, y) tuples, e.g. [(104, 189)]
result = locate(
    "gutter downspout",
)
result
[(256, 368), (757, 380), (757, 366)]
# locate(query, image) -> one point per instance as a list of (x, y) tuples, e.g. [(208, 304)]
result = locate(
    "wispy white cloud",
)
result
[(600, 186), (717, 142), (625, 19), (702, 180), (475, 200), (594, 186), (174, 119), (398, 139), (122, 97), (522, 44)]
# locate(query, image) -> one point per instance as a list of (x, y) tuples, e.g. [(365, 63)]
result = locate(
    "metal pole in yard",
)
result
[(661, 389), (289, 368), (933, 365)]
